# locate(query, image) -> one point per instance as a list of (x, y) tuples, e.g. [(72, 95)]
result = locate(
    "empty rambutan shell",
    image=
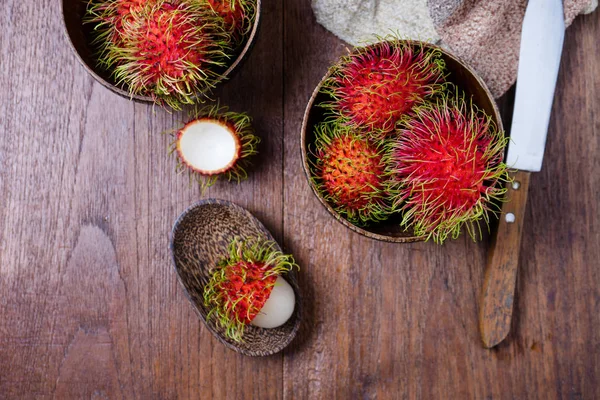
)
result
[(445, 167), (375, 86), (215, 142), (349, 173)]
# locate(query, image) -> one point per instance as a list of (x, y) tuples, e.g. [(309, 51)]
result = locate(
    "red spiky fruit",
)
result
[(109, 17), (349, 173), (237, 14), (215, 143), (247, 288), (445, 168), (166, 49), (375, 86)]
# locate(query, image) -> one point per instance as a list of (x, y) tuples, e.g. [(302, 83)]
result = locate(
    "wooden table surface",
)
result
[(90, 305)]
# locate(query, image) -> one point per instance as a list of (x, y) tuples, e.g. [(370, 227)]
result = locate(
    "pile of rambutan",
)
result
[(173, 51), (399, 139)]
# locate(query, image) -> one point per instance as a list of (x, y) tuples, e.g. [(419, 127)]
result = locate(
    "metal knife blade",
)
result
[(539, 59), (541, 47)]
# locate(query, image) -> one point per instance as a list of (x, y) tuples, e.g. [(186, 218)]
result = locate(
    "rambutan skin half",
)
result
[(445, 169), (226, 124), (240, 125), (374, 87), (349, 173)]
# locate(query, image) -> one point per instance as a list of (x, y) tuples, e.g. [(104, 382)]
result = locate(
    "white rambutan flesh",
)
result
[(208, 146), (278, 308)]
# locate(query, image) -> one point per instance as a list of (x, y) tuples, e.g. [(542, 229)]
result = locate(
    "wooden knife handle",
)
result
[(501, 274)]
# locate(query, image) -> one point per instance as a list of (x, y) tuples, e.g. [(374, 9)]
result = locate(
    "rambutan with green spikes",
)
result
[(445, 169), (377, 85), (167, 49), (237, 15), (109, 17), (247, 287), (215, 143), (349, 172)]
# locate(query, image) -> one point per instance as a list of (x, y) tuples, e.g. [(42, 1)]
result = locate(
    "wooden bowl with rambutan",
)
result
[(402, 141), (239, 281), (169, 52)]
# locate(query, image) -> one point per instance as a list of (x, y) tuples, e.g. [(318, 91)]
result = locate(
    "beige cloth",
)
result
[(487, 34), (484, 33)]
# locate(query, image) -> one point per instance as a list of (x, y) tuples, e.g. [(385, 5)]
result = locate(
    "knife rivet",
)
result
[(516, 185), (510, 218)]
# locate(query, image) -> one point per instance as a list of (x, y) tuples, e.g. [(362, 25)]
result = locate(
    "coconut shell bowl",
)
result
[(201, 235), (81, 36), (459, 74)]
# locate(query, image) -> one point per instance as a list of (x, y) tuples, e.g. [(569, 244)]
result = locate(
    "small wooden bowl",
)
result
[(459, 73), (202, 233), (80, 38)]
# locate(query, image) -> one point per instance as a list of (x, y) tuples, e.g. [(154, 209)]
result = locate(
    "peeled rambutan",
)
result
[(349, 172), (375, 86), (166, 49), (247, 288), (215, 143), (445, 167)]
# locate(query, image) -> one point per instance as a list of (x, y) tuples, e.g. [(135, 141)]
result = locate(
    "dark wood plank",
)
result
[(90, 302), (400, 321)]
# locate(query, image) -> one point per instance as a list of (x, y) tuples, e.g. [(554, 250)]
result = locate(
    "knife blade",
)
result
[(542, 39), (539, 59)]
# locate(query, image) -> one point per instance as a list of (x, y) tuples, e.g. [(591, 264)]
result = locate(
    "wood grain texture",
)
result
[(498, 293), (91, 306)]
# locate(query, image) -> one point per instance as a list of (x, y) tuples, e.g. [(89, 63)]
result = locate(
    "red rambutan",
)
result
[(375, 86), (247, 288), (237, 15), (166, 49), (445, 167), (109, 16), (349, 172)]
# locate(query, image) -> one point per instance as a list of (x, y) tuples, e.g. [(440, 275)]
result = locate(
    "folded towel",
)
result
[(484, 33)]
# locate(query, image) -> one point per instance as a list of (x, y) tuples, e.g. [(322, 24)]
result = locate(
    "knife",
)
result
[(539, 59)]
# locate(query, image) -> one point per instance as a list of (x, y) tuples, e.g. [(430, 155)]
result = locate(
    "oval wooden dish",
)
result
[(80, 39), (459, 73), (202, 233)]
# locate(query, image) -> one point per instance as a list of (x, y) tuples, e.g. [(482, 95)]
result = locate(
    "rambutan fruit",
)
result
[(247, 288), (375, 86), (237, 15), (167, 49), (215, 143), (349, 172), (109, 16), (445, 167)]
